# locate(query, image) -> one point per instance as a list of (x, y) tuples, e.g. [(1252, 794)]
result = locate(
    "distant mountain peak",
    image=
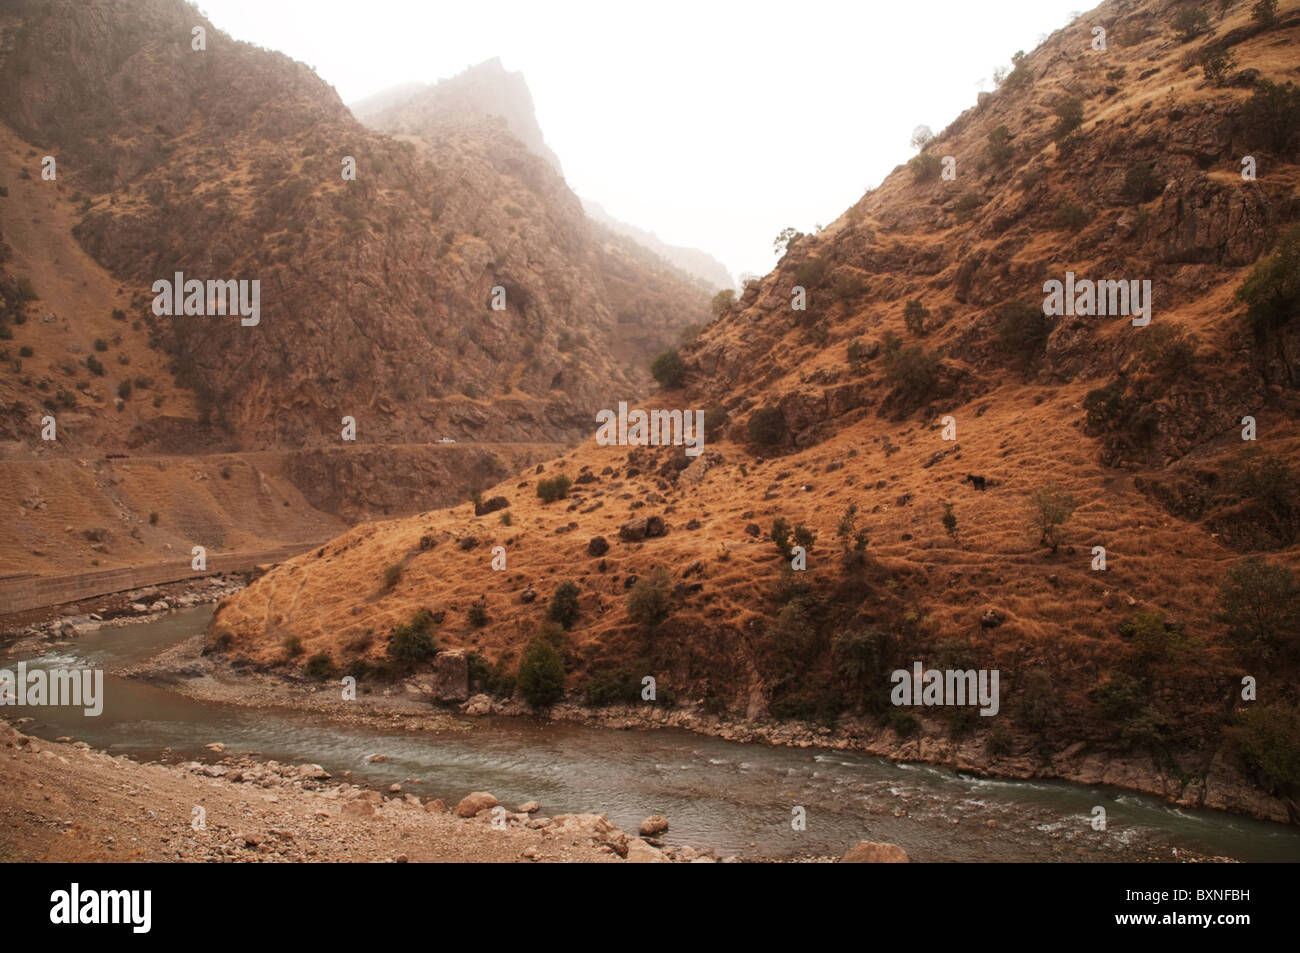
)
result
[(485, 89)]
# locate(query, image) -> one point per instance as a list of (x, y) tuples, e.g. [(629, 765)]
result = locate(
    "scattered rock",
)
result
[(653, 825), (474, 802)]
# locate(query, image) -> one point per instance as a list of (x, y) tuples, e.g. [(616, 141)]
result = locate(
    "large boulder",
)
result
[(642, 527), (870, 852), (477, 801), (653, 825), (451, 676), (588, 829)]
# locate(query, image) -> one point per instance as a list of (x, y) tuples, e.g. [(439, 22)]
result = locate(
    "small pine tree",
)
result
[(541, 673)]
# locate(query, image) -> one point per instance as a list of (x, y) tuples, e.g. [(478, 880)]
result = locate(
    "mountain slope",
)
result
[(227, 163), (1122, 165)]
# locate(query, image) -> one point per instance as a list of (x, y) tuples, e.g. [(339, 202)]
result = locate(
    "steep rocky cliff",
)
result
[(376, 293)]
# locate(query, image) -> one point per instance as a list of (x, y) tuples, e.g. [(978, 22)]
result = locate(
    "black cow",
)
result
[(975, 481)]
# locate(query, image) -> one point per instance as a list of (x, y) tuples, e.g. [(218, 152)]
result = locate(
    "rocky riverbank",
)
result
[(211, 678), (32, 629), (65, 802)]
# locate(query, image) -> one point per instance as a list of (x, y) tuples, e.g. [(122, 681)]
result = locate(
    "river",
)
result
[(732, 797)]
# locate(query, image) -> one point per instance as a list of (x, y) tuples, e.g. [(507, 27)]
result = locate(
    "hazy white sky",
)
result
[(712, 123)]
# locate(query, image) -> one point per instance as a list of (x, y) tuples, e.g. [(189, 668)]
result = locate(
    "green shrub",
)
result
[(810, 273), (648, 603), (915, 313), (903, 723), (1019, 75), (1265, 11), (966, 207), (412, 642), (1069, 117), (1271, 116), (1039, 701), (119, 314), (555, 488), (1217, 63), (392, 575), (766, 426), (998, 741), (25, 351), (101, 345), (1154, 639), (541, 673), (1021, 330), (912, 369), (851, 538), (949, 520), (1259, 602), (1000, 149), (1120, 697), (124, 389), (611, 686), (780, 535), (492, 679), (564, 605), (849, 286), (477, 615), (668, 369), (153, 518), (292, 645), (861, 661), (319, 667), (723, 302), (1191, 22), (1050, 509), (925, 167), (1070, 217), (1165, 351), (1269, 740), (1141, 183), (94, 366), (816, 707), (715, 422), (857, 354), (1266, 479), (1271, 292)]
